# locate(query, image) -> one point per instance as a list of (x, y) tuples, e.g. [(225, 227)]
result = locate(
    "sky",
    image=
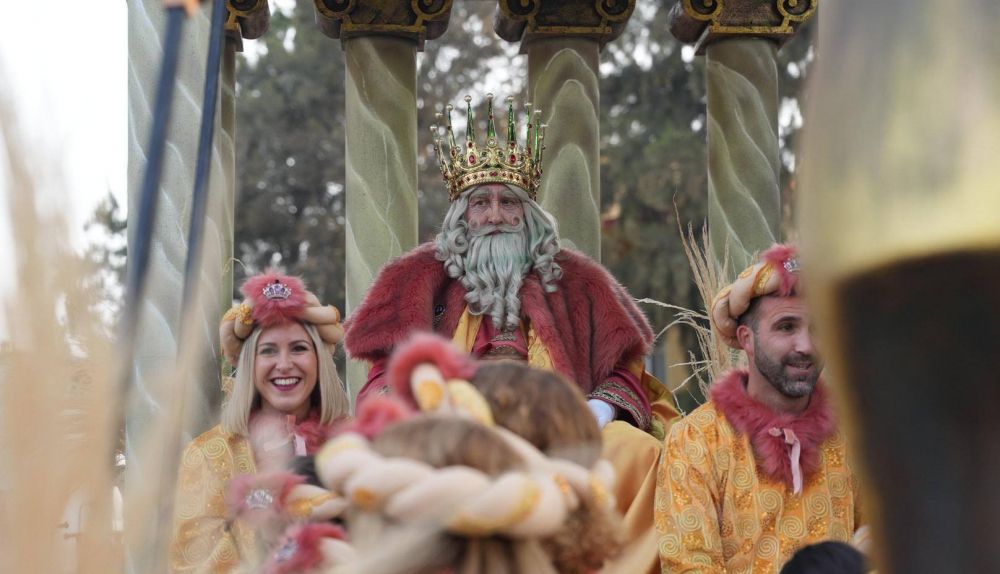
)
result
[(65, 69)]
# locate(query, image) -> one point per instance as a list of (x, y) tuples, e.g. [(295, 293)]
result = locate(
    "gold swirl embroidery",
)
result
[(695, 453), (791, 526), (768, 546), (678, 470), (670, 545), (839, 484), (770, 500), (690, 519), (746, 525), (214, 448), (818, 505), (743, 477)]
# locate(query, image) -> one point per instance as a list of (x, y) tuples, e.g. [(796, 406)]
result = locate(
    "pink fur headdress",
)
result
[(777, 273), (273, 298)]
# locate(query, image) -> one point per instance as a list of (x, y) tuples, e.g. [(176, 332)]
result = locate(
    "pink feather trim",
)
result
[(751, 418), (377, 413), (426, 348), (777, 255), (314, 432), (277, 483), (270, 312), (300, 550)]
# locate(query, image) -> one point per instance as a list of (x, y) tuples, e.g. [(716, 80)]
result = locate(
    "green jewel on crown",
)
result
[(493, 163)]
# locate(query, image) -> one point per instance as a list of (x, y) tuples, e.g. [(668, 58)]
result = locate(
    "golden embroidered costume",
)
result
[(726, 500), (741, 486), (204, 540)]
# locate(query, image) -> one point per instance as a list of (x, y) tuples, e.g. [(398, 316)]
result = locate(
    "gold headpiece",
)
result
[(493, 163)]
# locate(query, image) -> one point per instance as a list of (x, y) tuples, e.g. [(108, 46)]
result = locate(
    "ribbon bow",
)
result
[(794, 453)]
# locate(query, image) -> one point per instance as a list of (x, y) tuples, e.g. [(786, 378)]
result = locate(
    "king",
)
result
[(497, 282)]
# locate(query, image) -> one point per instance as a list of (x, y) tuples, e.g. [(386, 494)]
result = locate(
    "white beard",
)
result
[(495, 267)]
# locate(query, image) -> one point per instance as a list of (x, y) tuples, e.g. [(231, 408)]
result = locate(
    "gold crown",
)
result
[(493, 163)]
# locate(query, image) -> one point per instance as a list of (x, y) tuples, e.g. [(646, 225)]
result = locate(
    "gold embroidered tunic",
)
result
[(717, 513), (204, 540)]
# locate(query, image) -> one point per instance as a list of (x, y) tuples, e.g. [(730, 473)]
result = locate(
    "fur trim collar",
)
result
[(413, 293), (751, 418)]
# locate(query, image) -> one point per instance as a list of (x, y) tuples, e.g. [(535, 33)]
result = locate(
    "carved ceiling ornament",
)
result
[(248, 19), (417, 20), (527, 20), (701, 22)]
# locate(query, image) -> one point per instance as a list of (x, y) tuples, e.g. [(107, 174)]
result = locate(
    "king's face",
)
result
[(493, 204)]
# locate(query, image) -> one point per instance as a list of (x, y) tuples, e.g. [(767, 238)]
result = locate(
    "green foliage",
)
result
[(105, 255), (290, 155), (653, 160)]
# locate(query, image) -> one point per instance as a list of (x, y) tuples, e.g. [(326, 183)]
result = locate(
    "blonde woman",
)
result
[(285, 396)]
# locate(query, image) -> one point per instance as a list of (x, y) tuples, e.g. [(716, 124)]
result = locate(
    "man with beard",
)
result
[(497, 282), (760, 470)]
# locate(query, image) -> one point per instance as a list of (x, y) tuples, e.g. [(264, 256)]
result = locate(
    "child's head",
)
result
[(421, 544), (826, 558), (543, 408)]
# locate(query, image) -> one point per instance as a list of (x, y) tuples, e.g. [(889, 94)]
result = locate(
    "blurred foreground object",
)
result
[(901, 233), (57, 424)]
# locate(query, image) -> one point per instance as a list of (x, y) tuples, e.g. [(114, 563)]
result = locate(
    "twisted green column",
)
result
[(563, 83), (744, 200), (381, 109), (380, 40), (563, 41), (156, 390), (740, 39)]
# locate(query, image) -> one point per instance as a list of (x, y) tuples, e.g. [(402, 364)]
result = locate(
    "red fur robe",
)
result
[(590, 325)]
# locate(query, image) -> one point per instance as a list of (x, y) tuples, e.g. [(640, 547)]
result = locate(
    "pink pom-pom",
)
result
[(300, 550), (778, 255), (277, 309), (377, 413), (427, 348)]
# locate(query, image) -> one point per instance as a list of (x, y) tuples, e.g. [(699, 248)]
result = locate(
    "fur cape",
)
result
[(590, 324), (754, 420)]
